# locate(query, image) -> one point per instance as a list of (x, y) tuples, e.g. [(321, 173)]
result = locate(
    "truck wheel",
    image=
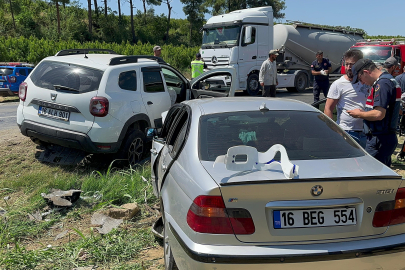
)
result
[(133, 148), (253, 85), (301, 82)]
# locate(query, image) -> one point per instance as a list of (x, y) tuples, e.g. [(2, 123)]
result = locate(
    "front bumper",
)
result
[(66, 138), (383, 253)]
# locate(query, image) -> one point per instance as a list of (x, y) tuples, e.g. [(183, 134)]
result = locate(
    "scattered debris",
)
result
[(2, 212), (158, 228), (107, 223), (83, 255), (90, 267), (126, 211), (61, 235), (35, 216), (61, 155), (62, 198), (7, 198)]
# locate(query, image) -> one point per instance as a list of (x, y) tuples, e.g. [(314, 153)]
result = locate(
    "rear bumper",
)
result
[(66, 138), (5, 92), (383, 253)]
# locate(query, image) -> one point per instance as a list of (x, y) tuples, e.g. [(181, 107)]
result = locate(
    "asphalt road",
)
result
[(8, 119), (8, 115)]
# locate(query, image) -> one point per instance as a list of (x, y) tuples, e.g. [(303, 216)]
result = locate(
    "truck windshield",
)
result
[(376, 53), (224, 35)]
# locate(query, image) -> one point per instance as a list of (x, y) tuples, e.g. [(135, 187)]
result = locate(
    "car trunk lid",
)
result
[(349, 186)]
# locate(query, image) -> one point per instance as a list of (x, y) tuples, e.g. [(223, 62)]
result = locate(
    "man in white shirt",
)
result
[(268, 75), (347, 96)]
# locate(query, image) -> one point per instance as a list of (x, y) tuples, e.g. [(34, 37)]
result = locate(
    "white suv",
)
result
[(101, 102)]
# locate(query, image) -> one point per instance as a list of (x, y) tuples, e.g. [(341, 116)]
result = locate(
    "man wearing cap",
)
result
[(381, 112), (197, 66), (157, 51), (268, 75), (390, 65), (346, 96), (320, 69)]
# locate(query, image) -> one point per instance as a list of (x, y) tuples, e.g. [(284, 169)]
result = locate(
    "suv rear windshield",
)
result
[(65, 76), (6, 71), (305, 135)]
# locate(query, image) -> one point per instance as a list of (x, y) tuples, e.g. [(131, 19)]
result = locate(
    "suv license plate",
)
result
[(314, 218), (48, 112)]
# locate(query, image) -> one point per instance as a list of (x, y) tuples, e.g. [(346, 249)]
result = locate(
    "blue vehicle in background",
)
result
[(11, 76)]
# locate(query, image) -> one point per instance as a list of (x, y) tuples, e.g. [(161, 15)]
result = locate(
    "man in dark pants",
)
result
[(320, 70), (268, 75), (382, 109)]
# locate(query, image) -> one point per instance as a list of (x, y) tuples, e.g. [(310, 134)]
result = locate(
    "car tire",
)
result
[(253, 85), (170, 264), (133, 148)]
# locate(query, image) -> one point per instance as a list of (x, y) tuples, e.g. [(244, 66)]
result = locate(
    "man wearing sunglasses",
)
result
[(381, 112), (345, 96)]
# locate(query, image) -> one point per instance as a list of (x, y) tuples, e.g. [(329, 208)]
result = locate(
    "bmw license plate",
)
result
[(314, 218), (48, 112)]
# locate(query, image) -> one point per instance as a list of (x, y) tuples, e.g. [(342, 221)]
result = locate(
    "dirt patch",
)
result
[(11, 136)]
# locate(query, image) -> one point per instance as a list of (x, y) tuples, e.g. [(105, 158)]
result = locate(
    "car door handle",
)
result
[(254, 57), (149, 102), (153, 151)]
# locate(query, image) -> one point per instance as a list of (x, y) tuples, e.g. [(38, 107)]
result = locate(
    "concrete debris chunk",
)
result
[(35, 216), (126, 211), (64, 198), (61, 235), (106, 223)]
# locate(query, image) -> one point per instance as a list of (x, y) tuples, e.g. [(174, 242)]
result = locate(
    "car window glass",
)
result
[(169, 120), (174, 82), (49, 74), (305, 135), (180, 138), (6, 71), (215, 82), (174, 132), (253, 37), (127, 80), (153, 82), (29, 71), (22, 72)]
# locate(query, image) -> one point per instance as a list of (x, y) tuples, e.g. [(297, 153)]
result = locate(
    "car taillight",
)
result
[(208, 214), (22, 91), (99, 106), (12, 79), (391, 212)]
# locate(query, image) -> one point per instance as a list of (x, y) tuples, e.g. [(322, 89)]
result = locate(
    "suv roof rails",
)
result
[(133, 59), (82, 51)]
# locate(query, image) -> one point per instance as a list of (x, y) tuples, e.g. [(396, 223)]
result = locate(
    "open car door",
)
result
[(221, 82)]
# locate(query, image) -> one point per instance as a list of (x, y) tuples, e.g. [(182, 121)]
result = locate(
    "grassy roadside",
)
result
[(9, 99), (29, 244)]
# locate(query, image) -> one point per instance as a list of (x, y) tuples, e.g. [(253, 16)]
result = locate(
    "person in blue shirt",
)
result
[(320, 69), (382, 109), (401, 80)]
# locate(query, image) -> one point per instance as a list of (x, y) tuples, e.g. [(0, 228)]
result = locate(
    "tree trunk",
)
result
[(89, 13), (12, 15), (229, 6), (191, 32), (96, 7), (58, 17), (132, 22), (168, 20), (119, 9), (105, 8), (144, 7)]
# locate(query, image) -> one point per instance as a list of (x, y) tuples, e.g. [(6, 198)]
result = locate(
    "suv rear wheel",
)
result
[(133, 148)]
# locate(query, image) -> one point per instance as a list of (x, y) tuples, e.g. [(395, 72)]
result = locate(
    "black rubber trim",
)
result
[(82, 51), (362, 178), (55, 106), (134, 59), (66, 138), (259, 259), (237, 23)]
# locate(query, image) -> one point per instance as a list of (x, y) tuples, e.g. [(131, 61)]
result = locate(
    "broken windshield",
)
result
[(223, 35)]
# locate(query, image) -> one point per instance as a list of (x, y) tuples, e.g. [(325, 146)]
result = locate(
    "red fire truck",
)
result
[(378, 50)]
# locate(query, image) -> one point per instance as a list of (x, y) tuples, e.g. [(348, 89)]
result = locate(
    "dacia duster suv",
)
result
[(98, 102)]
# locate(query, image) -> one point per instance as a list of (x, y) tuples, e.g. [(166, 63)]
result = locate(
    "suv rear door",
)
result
[(59, 94)]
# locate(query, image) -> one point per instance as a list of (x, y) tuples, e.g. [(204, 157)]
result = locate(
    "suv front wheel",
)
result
[(133, 148)]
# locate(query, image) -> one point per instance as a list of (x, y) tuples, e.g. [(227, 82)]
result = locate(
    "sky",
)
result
[(373, 16)]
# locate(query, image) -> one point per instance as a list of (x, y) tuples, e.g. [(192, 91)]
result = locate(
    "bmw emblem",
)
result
[(316, 190), (214, 59)]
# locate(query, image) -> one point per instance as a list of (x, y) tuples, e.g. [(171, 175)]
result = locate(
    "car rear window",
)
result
[(6, 71), (305, 135), (65, 76)]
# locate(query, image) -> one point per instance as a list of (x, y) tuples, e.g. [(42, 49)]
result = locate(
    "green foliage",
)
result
[(33, 50)]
